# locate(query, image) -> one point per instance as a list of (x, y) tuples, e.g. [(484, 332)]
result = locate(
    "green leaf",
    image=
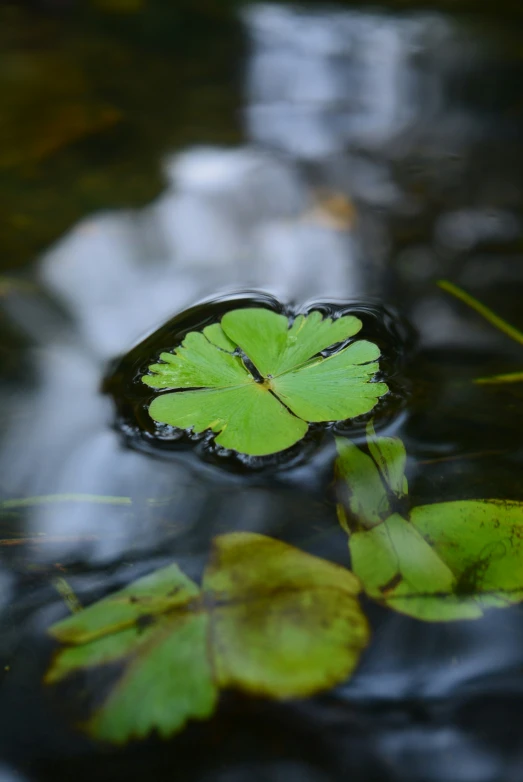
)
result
[(399, 568), (482, 542), (249, 419), (360, 488), (198, 364), (333, 388), (275, 348), (150, 639), (294, 386), (366, 484), (449, 560), (391, 458), (269, 620)]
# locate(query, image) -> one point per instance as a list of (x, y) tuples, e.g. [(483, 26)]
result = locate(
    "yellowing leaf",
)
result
[(269, 619), (293, 384), (304, 627)]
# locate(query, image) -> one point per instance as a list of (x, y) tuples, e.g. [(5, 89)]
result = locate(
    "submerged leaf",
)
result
[(368, 484), (360, 488), (449, 560), (287, 624), (398, 567), (391, 458), (482, 542), (269, 619), (294, 383), (152, 646)]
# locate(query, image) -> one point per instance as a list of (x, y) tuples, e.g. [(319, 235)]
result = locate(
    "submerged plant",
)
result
[(268, 619), (447, 560), (257, 381)]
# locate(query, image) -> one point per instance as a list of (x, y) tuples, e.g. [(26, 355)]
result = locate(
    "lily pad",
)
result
[(258, 381), (269, 619), (447, 560)]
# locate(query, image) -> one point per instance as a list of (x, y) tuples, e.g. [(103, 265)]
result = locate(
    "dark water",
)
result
[(155, 156)]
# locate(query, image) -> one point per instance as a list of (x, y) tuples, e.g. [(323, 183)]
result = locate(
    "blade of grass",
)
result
[(494, 380), (45, 499), (67, 594), (484, 311)]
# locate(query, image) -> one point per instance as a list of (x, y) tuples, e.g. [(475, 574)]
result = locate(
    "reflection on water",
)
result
[(320, 82), (371, 164)]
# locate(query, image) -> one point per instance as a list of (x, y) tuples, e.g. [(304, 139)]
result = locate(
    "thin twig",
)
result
[(51, 539)]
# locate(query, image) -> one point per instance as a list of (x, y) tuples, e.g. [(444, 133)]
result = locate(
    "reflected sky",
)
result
[(357, 177)]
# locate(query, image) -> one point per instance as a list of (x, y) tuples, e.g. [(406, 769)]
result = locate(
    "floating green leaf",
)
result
[(268, 409), (269, 619), (449, 560)]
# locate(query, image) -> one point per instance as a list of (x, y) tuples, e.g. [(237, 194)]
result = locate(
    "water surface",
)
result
[(153, 159)]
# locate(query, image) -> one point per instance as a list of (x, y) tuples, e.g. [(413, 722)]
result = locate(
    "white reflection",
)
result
[(427, 751), (8, 774), (319, 81), (465, 229), (61, 443), (114, 287), (457, 658), (229, 220)]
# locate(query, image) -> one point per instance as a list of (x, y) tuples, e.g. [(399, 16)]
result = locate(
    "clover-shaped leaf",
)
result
[(258, 381), (269, 619), (448, 560)]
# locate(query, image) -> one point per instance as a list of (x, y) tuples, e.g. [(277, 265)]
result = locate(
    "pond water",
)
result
[(156, 157)]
